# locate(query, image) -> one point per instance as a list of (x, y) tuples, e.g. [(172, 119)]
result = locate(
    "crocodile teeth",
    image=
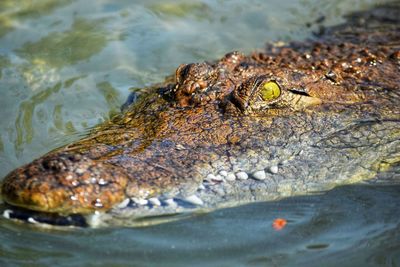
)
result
[(31, 220), (6, 214), (94, 219), (194, 200), (140, 201), (124, 203), (242, 175), (170, 202), (259, 175), (155, 201)]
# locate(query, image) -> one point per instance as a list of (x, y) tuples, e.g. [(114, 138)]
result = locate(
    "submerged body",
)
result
[(289, 120)]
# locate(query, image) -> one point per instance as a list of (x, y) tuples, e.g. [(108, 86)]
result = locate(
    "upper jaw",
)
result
[(65, 183)]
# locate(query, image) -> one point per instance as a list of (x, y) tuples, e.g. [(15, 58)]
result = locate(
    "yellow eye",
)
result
[(270, 91)]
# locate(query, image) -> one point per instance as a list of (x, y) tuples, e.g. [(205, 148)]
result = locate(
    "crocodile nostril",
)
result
[(181, 72), (61, 163), (51, 165), (74, 157), (194, 87), (189, 88)]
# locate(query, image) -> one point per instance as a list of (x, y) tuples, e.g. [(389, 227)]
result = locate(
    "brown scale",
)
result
[(157, 145)]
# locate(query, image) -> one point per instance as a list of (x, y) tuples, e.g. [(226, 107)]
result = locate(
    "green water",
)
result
[(67, 65)]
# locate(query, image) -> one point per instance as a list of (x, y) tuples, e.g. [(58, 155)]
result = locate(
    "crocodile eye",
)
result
[(270, 91)]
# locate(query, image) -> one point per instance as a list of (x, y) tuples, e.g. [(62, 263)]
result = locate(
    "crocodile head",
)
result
[(289, 120)]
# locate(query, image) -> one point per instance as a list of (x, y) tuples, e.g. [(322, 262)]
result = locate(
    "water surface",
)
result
[(67, 65)]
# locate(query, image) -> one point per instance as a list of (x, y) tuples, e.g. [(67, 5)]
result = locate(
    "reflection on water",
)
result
[(170, 10), (13, 12), (334, 229), (67, 65), (111, 96), (83, 40), (4, 63)]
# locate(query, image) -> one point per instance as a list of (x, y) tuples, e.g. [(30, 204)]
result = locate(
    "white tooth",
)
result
[(259, 175), (201, 187), (94, 219), (140, 201), (155, 201), (123, 204), (194, 200), (274, 169), (242, 175), (143, 202), (230, 177), (170, 202), (223, 173), (6, 214), (31, 220)]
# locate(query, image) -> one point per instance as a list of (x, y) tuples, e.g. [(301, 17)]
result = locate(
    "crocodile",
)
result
[(292, 119)]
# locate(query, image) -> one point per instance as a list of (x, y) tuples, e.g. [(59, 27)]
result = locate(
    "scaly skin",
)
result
[(336, 121)]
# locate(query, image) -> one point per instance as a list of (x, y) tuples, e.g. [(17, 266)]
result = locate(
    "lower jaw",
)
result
[(42, 218), (132, 214), (142, 212)]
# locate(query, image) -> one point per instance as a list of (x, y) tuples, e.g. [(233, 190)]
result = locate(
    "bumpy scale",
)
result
[(288, 120)]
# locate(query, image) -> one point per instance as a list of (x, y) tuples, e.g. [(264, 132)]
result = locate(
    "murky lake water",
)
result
[(67, 65)]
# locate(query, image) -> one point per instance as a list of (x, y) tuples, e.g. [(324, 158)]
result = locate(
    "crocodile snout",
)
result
[(65, 183)]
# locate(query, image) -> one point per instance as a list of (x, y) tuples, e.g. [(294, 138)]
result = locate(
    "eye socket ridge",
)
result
[(181, 72)]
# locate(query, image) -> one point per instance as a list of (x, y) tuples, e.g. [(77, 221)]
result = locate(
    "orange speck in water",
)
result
[(279, 224)]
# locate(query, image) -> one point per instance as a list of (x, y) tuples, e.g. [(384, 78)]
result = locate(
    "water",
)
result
[(67, 65), (349, 226)]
